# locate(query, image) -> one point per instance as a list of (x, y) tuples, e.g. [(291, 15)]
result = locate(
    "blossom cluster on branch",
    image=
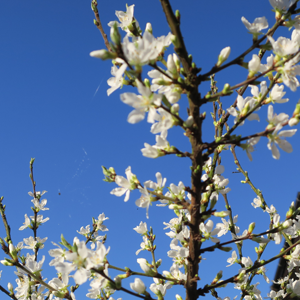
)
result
[(199, 225)]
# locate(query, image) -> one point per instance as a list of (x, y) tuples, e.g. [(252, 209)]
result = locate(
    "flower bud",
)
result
[(291, 211), (6, 262), (138, 286), (145, 266), (171, 65), (149, 27), (189, 121), (103, 54), (294, 121), (118, 283), (286, 224), (10, 287), (177, 62), (253, 65), (175, 108), (178, 297), (13, 252), (158, 263), (223, 56)]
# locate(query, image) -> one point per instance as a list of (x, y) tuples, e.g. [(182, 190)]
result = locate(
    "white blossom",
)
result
[(257, 25)]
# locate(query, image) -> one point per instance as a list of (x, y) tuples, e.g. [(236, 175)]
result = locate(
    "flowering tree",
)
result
[(173, 77)]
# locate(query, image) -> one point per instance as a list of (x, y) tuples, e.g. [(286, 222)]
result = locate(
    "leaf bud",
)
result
[(251, 227), (225, 249), (115, 35), (64, 242), (177, 15), (226, 89), (147, 82), (221, 214), (218, 277), (175, 41)]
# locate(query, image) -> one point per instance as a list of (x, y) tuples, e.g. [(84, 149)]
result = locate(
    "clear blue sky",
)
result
[(54, 107)]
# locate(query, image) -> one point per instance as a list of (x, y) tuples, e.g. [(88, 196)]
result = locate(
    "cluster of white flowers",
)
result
[(194, 207)]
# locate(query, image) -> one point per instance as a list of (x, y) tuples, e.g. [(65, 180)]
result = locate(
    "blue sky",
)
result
[(54, 107)]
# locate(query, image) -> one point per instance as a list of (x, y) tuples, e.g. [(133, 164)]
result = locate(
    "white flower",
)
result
[(96, 258), (274, 119), (142, 228), (159, 289), (208, 232), (125, 184), (144, 200), (289, 72), (282, 4), (249, 146), (275, 138), (26, 223), (164, 121), (295, 286), (283, 46), (142, 103), (58, 254), (296, 36), (232, 259), (257, 25), (158, 187), (99, 222), (247, 262), (243, 105), (116, 81), (144, 50), (254, 64), (38, 203), (126, 18), (161, 144), (256, 202), (255, 90), (223, 228), (84, 231), (270, 61), (271, 210), (277, 93), (145, 244), (138, 286), (31, 242), (164, 85)]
